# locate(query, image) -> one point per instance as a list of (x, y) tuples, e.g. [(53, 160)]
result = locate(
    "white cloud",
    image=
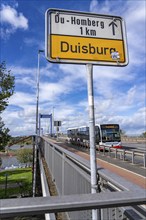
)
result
[(31, 42), (75, 72), (49, 91), (22, 98), (25, 81), (108, 106), (135, 123), (107, 7), (22, 119), (11, 20), (134, 14), (54, 90), (10, 16), (136, 31), (24, 76), (94, 6), (23, 71)]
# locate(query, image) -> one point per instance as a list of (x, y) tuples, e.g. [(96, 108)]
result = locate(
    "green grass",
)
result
[(19, 182)]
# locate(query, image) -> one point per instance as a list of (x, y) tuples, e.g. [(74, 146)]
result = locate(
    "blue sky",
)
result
[(119, 92)]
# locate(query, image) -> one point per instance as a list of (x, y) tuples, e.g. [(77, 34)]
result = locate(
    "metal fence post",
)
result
[(109, 152), (144, 160), (103, 150), (63, 169), (53, 174), (133, 157), (116, 153), (123, 155)]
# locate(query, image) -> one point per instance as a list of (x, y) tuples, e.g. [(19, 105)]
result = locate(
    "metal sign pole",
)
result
[(39, 124), (51, 124), (93, 165)]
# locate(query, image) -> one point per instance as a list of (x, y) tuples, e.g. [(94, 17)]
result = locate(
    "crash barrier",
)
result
[(134, 156)]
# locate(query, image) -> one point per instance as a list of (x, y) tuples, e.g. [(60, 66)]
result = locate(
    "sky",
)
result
[(119, 92)]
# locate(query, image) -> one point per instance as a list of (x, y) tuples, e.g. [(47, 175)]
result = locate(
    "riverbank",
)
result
[(9, 157)]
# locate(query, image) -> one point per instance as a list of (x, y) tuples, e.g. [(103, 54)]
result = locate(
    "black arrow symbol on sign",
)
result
[(113, 24)]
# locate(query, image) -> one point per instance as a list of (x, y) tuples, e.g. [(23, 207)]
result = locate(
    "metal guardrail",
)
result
[(122, 154), (71, 174), (119, 198), (42, 205), (118, 153)]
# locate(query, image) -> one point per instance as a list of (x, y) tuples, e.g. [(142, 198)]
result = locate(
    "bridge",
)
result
[(66, 187)]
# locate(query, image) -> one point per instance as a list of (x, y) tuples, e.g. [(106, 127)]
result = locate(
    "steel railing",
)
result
[(135, 157), (71, 174), (118, 199)]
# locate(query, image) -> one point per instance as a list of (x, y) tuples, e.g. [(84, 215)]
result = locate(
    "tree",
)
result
[(25, 155), (4, 135), (6, 86), (0, 161), (144, 134), (122, 132), (6, 91)]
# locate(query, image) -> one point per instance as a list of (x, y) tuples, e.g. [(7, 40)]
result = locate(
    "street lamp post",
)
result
[(36, 131), (38, 81), (53, 132)]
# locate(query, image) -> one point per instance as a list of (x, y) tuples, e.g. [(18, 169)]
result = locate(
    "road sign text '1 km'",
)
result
[(78, 37)]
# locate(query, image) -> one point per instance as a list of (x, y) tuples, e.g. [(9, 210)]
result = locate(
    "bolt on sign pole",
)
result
[(93, 166)]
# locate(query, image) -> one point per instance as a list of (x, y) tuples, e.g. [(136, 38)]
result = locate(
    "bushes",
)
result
[(25, 155)]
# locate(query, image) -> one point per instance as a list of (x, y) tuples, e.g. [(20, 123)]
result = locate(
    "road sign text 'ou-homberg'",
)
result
[(77, 37)]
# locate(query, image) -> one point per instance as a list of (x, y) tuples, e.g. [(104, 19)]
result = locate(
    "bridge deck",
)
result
[(132, 173)]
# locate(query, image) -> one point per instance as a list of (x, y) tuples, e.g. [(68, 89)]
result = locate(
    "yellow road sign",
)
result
[(85, 49), (74, 37)]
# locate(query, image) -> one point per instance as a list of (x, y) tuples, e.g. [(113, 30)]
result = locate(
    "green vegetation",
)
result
[(122, 132), (25, 155), (16, 183), (4, 135), (6, 91), (144, 134)]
